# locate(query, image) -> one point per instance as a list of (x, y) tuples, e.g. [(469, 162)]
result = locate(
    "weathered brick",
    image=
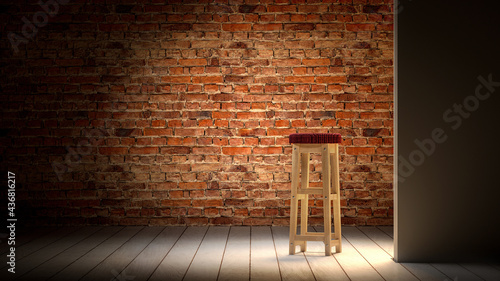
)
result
[(281, 8), (299, 26), (236, 150), (360, 26), (267, 27), (314, 62), (360, 150), (236, 27), (193, 62)]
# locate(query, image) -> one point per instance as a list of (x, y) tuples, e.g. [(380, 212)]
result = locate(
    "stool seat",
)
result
[(315, 138)]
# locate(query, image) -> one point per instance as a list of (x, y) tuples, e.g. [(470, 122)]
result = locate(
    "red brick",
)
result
[(236, 150), (299, 44), (192, 185), (193, 62), (299, 26), (314, 62), (281, 8), (286, 62), (331, 79), (299, 79), (143, 150), (207, 79), (189, 132), (236, 27), (176, 79), (251, 115), (208, 203), (239, 202), (375, 115), (309, 9), (207, 150), (112, 27), (360, 150), (157, 132), (268, 150), (176, 203), (330, 27), (280, 132), (113, 150), (360, 26), (206, 26), (267, 27)]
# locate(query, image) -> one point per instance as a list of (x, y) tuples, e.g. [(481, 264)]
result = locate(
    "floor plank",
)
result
[(43, 264), (496, 265), (146, 262), (292, 267), (376, 256), (486, 272), (455, 271), (264, 264), (324, 268), (422, 271), (389, 230), (93, 258), (30, 259), (176, 263), (113, 265), (425, 271), (236, 262), (380, 238), (38, 244), (355, 265), (24, 236), (206, 263)]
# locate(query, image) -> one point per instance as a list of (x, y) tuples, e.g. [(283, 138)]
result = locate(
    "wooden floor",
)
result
[(216, 253)]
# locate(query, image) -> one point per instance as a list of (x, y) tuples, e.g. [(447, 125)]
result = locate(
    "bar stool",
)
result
[(328, 146)]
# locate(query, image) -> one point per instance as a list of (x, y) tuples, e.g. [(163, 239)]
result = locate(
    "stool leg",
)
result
[(303, 220), (336, 203), (304, 203), (294, 200), (325, 170)]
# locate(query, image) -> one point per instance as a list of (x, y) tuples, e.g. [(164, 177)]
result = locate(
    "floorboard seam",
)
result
[(316, 230), (123, 270), (305, 256), (452, 278), (59, 253), (250, 258), (86, 253), (364, 258), (223, 253), (78, 228), (276, 253), (111, 253), (471, 271), (197, 249), (360, 229), (168, 252)]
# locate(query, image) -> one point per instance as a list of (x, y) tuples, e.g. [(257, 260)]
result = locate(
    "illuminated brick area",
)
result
[(179, 113)]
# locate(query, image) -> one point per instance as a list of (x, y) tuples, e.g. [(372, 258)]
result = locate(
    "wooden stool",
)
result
[(328, 146)]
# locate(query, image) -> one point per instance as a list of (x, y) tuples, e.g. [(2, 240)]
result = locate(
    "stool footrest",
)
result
[(301, 195), (314, 236)]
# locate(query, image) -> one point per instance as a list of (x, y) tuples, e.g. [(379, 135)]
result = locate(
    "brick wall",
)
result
[(116, 112)]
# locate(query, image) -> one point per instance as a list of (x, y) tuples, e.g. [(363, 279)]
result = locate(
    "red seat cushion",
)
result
[(315, 138)]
